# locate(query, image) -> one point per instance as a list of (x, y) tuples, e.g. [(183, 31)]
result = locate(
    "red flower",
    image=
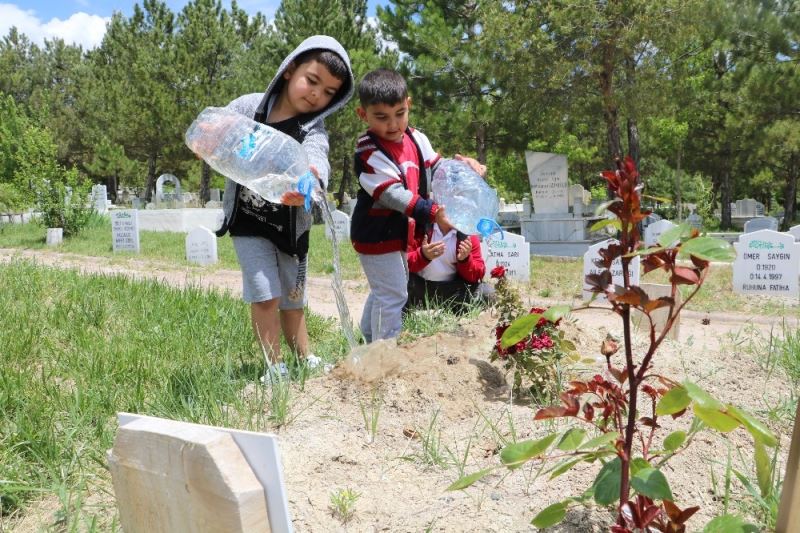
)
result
[(498, 272)]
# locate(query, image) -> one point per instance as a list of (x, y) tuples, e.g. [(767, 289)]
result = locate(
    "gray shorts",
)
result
[(269, 273)]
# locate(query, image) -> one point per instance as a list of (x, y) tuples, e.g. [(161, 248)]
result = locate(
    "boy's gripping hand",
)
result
[(464, 248), (295, 198), (473, 163), (431, 250), (441, 219)]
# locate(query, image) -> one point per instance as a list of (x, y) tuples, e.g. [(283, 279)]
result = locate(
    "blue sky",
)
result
[(83, 21)]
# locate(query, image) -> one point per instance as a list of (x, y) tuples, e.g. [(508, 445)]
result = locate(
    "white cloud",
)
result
[(80, 28), (384, 44)]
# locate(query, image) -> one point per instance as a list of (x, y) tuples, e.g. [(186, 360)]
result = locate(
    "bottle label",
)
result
[(251, 143)]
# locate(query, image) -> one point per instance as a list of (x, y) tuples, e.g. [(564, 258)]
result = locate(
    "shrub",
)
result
[(535, 359), (63, 203)]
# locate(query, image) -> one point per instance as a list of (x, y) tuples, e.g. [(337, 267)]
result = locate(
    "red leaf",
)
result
[(649, 422), (634, 296), (619, 375), (684, 276), (588, 411), (598, 282), (550, 412), (702, 264), (663, 301)]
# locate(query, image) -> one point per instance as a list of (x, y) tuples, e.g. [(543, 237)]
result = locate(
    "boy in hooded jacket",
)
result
[(271, 240)]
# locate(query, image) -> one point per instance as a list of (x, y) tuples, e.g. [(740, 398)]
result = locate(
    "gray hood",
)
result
[(316, 42)]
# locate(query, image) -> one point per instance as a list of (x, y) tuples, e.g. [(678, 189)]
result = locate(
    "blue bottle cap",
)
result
[(305, 186), (487, 226)]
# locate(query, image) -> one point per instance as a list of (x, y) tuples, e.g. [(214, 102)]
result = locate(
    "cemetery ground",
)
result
[(88, 333)]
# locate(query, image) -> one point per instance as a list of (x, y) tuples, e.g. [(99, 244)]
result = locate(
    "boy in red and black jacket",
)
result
[(394, 164)]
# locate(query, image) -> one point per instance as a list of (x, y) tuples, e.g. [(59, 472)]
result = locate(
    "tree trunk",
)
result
[(633, 141), (345, 180), (610, 108), (725, 200), (111, 188), (205, 182), (151, 178), (633, 128), (480, 143), (678, 199), (790, 197)]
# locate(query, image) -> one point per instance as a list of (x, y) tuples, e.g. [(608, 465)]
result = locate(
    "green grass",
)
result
[(169, 247), (77, 349)]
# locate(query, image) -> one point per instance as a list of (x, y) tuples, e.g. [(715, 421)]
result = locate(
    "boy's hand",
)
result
[(464, 248), (431, 250), (473, 163), (441, 219), (293, 198)]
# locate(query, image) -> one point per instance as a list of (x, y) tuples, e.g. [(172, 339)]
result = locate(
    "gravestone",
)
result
[(201, 246), (760, 223), (547, 174), (100, 198), (341, 226), (510, 251), (695, 221), (589, 267), (660, 315), (767, 262), (746, 208), (213, 204), (55, 236), (137, 203), (125, 230), (215, 195), (795, 230), (653, 231), (577, 199), (176, 476), (161, 196)]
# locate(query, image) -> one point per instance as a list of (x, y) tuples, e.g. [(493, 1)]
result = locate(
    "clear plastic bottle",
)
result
[(257, 156), (471, 205)]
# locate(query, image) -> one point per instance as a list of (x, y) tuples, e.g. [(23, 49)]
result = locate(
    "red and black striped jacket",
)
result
[(394, 181)]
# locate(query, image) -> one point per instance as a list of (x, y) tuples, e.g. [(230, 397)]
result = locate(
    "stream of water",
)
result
[(336, 282)]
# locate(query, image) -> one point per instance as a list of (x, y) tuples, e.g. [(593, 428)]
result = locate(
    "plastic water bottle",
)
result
[(257, 156), (470, 203)]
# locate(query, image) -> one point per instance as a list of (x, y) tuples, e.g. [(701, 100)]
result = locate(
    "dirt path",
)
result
[(445, 389), (320, 294)]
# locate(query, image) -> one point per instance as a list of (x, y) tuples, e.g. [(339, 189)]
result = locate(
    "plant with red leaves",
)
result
[(622, 410)]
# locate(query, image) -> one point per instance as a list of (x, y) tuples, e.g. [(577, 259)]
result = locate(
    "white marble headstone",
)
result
[(616, 268), (100, 198), (341, 225), (508, 250), (547, 174), (201, 246), (125, 230), (795, 230), (653, 231), (767, 262), (55, 236), (760, 223)]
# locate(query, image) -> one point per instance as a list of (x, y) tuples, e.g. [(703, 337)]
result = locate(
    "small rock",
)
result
[(496, 496), (452, 359)]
